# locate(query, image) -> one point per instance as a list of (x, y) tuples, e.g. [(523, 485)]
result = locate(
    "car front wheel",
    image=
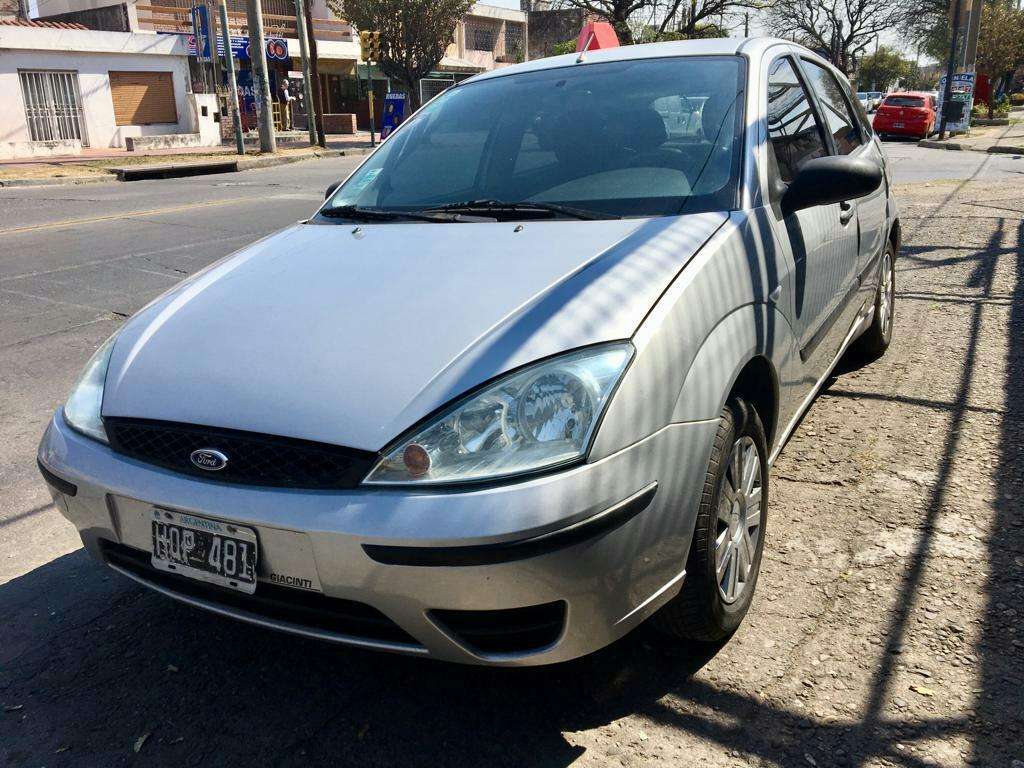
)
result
[(725, 553)]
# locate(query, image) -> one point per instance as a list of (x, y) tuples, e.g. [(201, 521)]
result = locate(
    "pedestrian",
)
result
[(286, 105)]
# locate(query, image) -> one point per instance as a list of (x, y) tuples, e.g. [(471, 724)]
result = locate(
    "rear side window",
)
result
[(903, 101), (794, 134), (840, 119)]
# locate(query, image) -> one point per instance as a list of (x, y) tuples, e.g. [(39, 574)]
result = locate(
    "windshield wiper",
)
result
[(356, 213), (509, 210)]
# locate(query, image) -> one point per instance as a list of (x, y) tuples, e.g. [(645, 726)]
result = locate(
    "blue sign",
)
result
[(277, 47), (249, 95), (394, 113), (200, 39)]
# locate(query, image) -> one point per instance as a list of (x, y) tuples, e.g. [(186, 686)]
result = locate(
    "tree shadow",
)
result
[(92, 663)]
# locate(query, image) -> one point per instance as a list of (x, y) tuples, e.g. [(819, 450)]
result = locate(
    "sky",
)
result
[(756, 28)]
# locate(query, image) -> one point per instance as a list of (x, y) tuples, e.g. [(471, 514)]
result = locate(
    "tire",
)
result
[(702, 610), (876, 339)]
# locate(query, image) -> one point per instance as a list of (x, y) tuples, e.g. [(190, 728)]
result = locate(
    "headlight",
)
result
[(536, 418), (82, 409)]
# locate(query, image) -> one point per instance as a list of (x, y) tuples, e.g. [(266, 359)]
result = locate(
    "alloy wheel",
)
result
[(739, 520), (886, 296)]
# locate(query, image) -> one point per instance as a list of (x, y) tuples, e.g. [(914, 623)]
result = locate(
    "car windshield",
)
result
[(645, 137), (904, 101)]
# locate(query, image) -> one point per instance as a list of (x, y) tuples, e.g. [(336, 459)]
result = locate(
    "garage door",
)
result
[(141, 98)]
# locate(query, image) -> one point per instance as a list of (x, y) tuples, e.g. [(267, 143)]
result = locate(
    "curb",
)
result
[(177, 170), (57, 181), (960, 147)]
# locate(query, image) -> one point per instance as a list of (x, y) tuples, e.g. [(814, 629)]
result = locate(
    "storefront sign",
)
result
[(963, 91), (394, 113), (200, 38), (277, 47)]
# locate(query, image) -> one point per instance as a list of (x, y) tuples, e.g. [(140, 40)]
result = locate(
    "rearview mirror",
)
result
[(330, 190), (827, 180)]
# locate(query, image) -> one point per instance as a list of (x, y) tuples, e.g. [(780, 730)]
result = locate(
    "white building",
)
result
[(64, 88)]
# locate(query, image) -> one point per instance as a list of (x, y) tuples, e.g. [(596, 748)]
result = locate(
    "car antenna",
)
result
[(583, 52)]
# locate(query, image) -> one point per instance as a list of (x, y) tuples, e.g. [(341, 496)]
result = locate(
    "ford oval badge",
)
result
[(209, 459)]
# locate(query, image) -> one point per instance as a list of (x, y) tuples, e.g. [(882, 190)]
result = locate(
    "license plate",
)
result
[(897, 125), (208, 550)]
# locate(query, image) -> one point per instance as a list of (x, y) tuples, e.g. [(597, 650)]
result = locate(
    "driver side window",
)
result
[(794, 134)]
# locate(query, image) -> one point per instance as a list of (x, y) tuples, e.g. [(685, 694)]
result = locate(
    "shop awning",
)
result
[(455, 64)]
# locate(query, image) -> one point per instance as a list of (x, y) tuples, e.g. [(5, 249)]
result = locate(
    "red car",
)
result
[(908, 113)]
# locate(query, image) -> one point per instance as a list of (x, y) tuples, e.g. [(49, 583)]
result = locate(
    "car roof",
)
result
[(720, 46), (908, 93)]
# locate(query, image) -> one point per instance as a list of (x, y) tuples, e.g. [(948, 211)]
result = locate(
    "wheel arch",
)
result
[(895, 236), (740, 357), (757, 384)]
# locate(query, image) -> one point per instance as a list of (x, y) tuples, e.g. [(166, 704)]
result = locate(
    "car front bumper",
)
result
[(531, 572)]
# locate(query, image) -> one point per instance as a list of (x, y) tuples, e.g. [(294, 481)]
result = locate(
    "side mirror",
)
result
[(827, 180), (330, 190)]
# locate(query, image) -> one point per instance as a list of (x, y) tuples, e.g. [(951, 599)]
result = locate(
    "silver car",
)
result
[(518, 385)]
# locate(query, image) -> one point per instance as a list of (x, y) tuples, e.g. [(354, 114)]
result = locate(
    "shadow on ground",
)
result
[(209, 689), (91, 663)]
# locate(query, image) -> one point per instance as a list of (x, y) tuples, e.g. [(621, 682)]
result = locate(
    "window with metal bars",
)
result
[(53, 105)]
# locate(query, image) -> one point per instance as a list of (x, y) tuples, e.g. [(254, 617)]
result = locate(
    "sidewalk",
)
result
[(100, 164), (1007, 139)]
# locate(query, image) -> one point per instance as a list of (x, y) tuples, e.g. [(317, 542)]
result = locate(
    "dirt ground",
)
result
[(886, 629)]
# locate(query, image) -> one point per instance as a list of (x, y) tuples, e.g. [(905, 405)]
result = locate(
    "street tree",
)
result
[(842, 30), (650, 20), (414, 34), (1000, 44), (877, 71)]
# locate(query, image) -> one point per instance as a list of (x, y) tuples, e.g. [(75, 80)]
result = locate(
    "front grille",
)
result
[(253, 458), (310, 610), (506, 631)]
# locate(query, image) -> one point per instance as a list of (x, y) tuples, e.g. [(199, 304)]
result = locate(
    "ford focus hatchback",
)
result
[(518, 385)]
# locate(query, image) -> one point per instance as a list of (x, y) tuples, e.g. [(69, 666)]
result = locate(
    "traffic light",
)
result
[(369, 46)]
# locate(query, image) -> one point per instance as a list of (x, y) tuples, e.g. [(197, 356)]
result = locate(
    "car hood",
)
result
[(350, 335)]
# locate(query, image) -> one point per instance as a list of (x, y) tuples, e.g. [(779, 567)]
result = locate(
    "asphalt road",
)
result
[(96, 671), (911, 163)]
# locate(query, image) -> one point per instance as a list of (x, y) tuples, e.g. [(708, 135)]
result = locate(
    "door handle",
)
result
[(846, 211)]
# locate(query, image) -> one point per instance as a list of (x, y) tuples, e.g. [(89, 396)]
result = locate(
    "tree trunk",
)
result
[(412, 93), (623, 32)]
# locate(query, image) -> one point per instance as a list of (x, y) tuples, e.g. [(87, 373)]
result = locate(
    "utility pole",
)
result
[(260, 83), (947, 93), (229, 58), (318, 102), (214, 56), (746, 24), (307, 92)]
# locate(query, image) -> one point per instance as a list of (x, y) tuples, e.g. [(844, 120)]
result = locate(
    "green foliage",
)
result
[(1000, 108), (1001, 44), (918, 80), (881, 69), (569, 46), (414, 33)]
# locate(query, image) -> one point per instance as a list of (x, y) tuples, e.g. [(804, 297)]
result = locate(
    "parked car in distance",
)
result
[(876, 99), (518, 385), (865, 100), (908, 113)]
